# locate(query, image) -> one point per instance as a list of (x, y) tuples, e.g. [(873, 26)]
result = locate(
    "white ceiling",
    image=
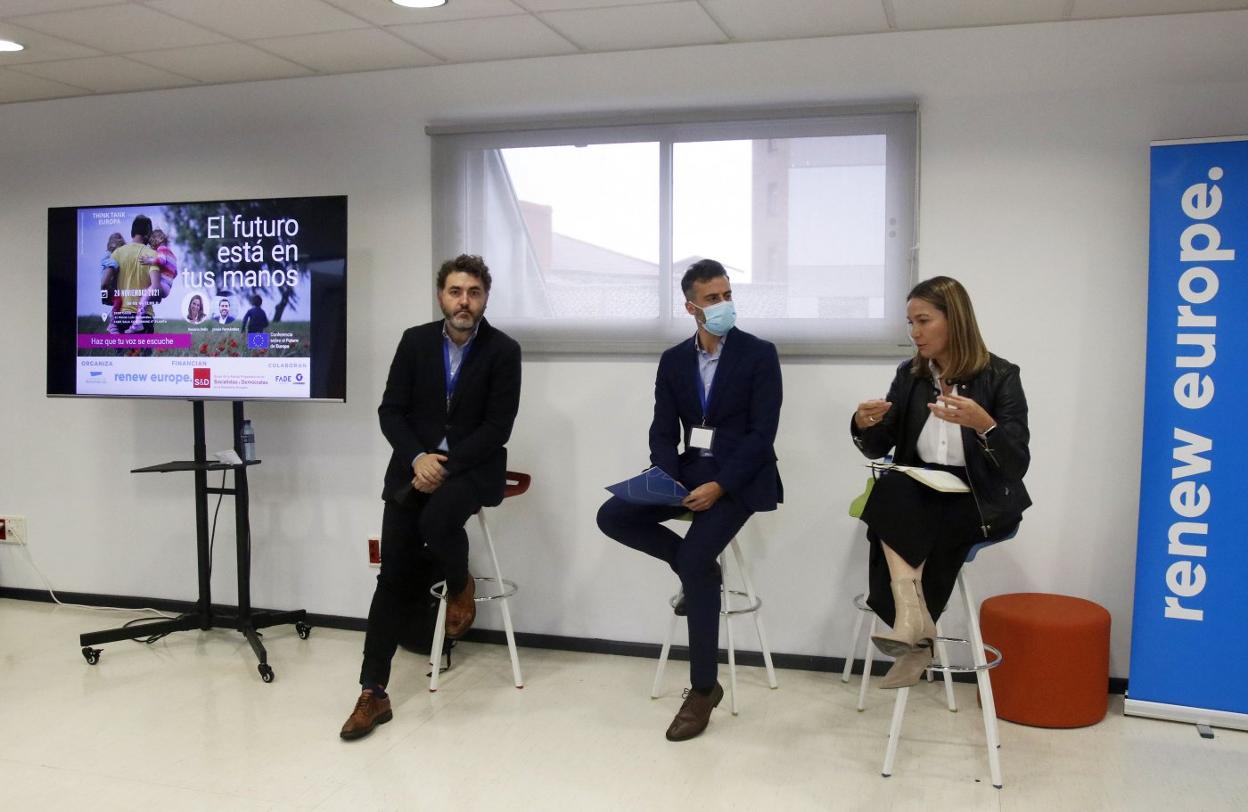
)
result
[(85, 47)]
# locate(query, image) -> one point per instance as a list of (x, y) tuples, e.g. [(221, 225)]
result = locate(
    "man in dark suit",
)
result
[(719, 393), (449, 405)]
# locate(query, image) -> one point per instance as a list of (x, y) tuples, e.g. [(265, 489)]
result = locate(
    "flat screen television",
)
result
[(222, 299)]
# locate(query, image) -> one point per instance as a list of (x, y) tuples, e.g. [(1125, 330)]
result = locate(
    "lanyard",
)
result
[(452, 379), (703, 397)]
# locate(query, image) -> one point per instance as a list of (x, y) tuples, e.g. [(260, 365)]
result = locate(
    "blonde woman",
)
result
[(953, 407)]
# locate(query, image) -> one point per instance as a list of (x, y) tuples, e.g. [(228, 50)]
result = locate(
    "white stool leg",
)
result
[(991, 734), (667, 648), (943, 654), (758, 613), (866, 666), (439, 636), (498, 577), (853, 646), (726, 597), (894, 730)]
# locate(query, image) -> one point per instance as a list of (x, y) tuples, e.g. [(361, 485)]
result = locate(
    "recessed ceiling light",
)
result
[(419, 3), (7, 45)]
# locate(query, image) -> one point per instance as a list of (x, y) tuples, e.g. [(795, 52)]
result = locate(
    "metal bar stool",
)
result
[(517, 484), (751, 605), (980, 667), (860, 604)]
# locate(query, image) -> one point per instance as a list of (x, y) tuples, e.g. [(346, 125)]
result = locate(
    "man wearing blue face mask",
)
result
[(719, 394)]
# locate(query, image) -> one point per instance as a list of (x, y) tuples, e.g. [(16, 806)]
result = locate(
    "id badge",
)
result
[(701, 437)]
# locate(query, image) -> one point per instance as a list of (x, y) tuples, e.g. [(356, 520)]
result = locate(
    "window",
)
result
[(587, 228)]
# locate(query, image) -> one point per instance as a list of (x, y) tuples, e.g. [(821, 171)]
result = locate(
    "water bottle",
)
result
[(248, 436)]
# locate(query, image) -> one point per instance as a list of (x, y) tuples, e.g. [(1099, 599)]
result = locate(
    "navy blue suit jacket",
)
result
[(744, 409)]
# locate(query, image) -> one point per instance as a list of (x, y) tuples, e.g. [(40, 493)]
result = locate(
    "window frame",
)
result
[(454, 206)]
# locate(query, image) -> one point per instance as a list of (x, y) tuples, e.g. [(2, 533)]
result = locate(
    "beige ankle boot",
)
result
[(908, 669), (911, 626), (928, 636)]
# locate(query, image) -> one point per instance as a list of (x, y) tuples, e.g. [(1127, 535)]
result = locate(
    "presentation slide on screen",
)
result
[(195, 299)]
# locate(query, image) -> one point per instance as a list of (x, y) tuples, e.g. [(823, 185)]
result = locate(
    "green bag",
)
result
[(860, 501)]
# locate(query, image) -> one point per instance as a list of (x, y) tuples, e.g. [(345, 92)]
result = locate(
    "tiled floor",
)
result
[(187, 724)]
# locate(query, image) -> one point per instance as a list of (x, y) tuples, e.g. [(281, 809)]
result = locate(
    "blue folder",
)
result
[(651, 487)]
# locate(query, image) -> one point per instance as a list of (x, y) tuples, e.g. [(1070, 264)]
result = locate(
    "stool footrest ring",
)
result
[(994, 658), (750, 606), (509, 588)]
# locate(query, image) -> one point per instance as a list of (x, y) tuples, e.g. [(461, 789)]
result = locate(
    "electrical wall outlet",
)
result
[(374, 551), (13, 529)]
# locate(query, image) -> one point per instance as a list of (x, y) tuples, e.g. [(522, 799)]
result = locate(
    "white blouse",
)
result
[(940, 442)]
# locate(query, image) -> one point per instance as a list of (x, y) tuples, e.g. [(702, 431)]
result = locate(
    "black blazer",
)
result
[(744, 409), (995, 467), (414, 414)]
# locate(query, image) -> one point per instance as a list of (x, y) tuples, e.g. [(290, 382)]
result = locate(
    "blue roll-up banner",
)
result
[(1188, 645)]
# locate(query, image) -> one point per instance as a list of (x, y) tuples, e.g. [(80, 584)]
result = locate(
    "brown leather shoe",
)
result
[(461, 610), (694, 714), (369, 712)]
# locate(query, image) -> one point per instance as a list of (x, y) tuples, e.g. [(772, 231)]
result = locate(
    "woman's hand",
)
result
[(962, 412), (870, 412)]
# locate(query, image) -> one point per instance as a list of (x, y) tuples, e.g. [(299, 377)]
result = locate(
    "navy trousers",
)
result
[(691, 558)]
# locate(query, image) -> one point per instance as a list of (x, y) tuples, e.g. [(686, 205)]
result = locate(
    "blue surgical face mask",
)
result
[(720, 317)]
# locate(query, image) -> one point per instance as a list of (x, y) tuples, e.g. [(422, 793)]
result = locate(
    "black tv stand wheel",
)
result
[(266, 672), (302, 629), (92, 655)]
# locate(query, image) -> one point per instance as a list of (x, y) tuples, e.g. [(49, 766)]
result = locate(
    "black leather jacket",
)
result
[(995, 467)]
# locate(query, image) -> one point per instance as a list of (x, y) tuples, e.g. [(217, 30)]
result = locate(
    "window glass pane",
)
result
[(587, 228), (580, 228), (800, 223)]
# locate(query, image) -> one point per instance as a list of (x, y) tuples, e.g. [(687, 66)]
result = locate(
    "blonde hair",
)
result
[(115, 241), (967, 352), (157, 238)]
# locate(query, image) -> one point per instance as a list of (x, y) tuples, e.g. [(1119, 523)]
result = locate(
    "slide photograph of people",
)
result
[(196, 279)]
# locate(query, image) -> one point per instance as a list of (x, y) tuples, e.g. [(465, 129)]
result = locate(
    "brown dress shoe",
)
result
[(461, 610), (369, 712), (694, 714)]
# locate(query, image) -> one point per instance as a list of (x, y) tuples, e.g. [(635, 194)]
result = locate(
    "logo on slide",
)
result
[(203, 378), (257, 341)]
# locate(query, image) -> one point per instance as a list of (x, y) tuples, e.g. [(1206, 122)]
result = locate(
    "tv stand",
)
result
[(205, 617)]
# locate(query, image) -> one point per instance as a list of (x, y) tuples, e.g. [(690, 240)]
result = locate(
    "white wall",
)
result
[(1034, 169)]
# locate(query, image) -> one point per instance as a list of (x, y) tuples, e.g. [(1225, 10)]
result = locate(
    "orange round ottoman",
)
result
[(1054, 668)]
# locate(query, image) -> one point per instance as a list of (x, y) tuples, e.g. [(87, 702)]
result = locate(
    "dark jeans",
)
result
[(691, 558), (431, 521)]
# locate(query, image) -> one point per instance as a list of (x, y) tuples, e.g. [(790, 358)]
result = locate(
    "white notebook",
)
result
[(942, 481)]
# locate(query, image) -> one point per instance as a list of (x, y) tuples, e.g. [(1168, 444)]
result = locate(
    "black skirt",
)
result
[(921, 525)]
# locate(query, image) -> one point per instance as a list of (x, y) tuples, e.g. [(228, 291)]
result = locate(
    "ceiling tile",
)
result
[(17, 87), (105, 74), (118, 29), (383, 12), (789, 19), (1129, 8), (348, 51), (12, 8), (912, 15), (561, 5), (489, 38), (253, 19), (623, 28), (39, 47), (227, 62)]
